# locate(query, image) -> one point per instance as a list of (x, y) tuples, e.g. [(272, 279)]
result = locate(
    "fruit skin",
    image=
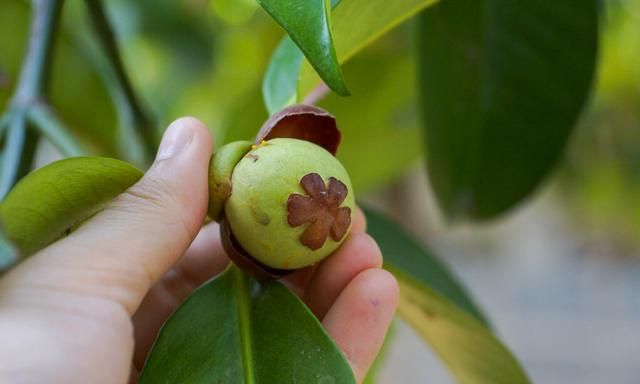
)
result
[(262, 182)]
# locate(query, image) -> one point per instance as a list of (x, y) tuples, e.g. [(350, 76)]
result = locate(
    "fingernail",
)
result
[(176, 139)]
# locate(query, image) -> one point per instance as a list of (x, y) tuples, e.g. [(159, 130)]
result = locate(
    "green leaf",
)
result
[(356, 24), (402, 253), (234, 329), (308, 23), (466, 346), (51, 201), (280, 84), (440, 310), (503, 84)]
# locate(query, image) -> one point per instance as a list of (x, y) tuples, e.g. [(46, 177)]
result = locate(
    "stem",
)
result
[(5, 121), (317, 94), (53, 129), (13, 148), (31, 84), (28, 151), (35, 70), (8, 253), (107, 39)]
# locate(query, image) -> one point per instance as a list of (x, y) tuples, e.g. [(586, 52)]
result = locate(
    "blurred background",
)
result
[(559, 277)]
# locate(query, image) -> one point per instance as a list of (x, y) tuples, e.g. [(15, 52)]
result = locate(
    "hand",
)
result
[(87, 308)]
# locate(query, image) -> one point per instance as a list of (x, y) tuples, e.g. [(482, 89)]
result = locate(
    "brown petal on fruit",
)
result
[(321, 209), (302, 209), (243, 260), (316, 234), (304, 122), (341, 223), (337, 192), (313, 184)]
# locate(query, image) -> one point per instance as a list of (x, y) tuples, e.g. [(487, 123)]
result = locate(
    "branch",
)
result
[(52, 128), (107, 39), (12, 156), (35, 70), (8, 253), (32, 81)]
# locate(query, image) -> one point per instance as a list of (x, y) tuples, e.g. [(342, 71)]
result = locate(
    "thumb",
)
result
[(127, 247)]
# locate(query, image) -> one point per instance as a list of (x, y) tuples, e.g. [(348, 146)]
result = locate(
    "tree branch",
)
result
[(12, 153), (31, 84), (35, 70), (107, 39), (50, 126)]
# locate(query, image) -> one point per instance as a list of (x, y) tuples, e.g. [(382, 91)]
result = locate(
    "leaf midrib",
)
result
[(241, 294)]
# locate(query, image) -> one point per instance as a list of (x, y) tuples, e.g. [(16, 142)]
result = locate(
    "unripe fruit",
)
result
[(291, 203), (285, 202)]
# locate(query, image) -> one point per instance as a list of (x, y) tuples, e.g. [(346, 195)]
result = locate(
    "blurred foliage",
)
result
[(13, 29), (601, 179)]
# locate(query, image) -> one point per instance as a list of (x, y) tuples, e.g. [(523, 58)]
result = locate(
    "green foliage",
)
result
[(280, 87), (309, 25), (356, 24), (601, 172), (13, 31), (50, 202), (234, 329), (434, 303), (502, 84)]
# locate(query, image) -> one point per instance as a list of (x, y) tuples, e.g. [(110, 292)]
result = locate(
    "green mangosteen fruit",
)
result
[(284, 202)]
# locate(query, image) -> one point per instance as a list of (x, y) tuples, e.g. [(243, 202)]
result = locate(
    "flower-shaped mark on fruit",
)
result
[(321, 209)]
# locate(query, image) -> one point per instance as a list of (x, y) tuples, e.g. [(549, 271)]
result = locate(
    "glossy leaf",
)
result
[(280, 84), (503, 83), (308, 23), (356, 24), (235, 329), (440, 310), (51, 201)]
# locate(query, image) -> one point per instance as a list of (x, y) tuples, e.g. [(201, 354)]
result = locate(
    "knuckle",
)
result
[(148, 196)]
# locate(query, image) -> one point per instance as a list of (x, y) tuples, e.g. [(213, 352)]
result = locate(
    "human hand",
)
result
[(88, 307)]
